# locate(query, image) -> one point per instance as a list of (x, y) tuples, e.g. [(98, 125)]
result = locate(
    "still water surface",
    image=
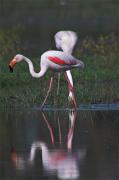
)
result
[(81, 144)]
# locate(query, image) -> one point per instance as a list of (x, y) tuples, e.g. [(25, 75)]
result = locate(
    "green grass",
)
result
[(98, 82)]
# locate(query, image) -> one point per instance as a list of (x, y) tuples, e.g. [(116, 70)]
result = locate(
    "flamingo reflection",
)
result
[(61, 162)]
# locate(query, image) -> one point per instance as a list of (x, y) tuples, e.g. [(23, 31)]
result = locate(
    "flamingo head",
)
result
[(14, 61)]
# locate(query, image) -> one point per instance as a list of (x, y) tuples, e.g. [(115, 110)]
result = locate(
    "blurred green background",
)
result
[(35, 22)]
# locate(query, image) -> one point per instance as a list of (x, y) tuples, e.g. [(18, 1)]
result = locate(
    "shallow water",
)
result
[(59, 144)]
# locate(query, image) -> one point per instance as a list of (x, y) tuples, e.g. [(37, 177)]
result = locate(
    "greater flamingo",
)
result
[(56, 61), (66, 41)]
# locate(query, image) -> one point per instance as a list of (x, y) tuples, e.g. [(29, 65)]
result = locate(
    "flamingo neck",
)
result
[(31, 69)]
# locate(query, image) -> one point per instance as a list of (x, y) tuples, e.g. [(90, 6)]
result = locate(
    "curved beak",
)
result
[(12, 64)]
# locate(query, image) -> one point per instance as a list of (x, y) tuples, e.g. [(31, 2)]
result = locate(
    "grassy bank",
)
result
[(98, 82)]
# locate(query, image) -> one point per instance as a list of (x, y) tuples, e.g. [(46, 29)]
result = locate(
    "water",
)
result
[(59, 144)]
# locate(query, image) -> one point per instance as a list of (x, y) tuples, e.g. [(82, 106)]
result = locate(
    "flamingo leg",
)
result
[(71, 91), (48, 92), (59, 75)]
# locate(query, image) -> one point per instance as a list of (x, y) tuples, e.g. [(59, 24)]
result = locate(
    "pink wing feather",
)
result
[(60, 61)]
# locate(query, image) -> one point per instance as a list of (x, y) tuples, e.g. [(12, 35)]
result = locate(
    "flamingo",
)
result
[(66, 41), (56, 61)]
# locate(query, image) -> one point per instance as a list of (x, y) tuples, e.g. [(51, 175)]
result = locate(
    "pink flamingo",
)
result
[(66, 41), (56, 61)]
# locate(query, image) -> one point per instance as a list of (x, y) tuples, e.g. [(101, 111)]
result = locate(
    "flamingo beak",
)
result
[(12, 64)]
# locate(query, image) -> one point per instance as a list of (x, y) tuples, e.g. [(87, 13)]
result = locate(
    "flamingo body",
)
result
[(60, 61)]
